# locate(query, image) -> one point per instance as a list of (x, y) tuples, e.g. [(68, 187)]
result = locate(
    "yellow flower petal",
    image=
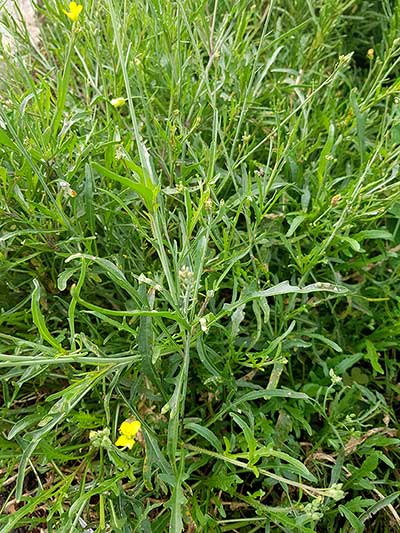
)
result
[(125, 442), (129, 428), (117, 102), (74, 11)]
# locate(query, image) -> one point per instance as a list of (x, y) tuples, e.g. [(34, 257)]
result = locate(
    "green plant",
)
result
[(214, 254)]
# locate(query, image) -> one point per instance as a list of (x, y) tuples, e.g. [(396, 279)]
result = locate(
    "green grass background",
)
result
[(227, 271)]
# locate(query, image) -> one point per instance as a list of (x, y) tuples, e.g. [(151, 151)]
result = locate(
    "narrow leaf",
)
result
[(38, 318), (147, 194), (206, 434)]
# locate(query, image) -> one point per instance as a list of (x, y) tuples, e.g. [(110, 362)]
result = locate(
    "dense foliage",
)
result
[(200, 231)]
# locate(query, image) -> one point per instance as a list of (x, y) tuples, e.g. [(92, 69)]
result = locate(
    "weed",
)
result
[(200, 241)]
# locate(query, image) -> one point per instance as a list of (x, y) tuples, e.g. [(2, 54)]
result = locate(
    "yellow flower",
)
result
[(74, 11), (371, 53), (117, 102), (128, 430)]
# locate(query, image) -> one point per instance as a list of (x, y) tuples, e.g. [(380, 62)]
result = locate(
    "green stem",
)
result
[(71, 310), (63, 86), (267, 473), (177, 403)]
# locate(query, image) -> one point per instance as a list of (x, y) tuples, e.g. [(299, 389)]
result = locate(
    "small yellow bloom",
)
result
[(128, 430), (117, 102), (371, 53), (74, 11)]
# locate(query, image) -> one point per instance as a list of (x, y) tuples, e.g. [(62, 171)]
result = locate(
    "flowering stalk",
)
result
[(73, 14)]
